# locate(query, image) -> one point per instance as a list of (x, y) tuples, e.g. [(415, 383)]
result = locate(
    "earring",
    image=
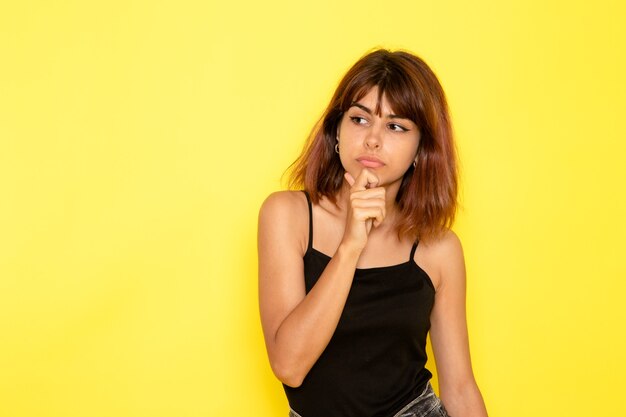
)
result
[(337, 147), (414, 164)]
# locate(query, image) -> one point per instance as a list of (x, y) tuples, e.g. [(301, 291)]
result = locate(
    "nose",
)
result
[(373, 139)]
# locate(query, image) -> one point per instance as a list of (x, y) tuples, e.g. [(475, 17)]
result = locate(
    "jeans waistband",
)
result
[(425, 395), (427, 392)]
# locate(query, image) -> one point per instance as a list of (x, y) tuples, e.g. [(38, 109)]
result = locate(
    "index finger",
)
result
[(365, 179)]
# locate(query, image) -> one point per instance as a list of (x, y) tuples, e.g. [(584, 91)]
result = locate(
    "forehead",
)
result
[(374, 99)]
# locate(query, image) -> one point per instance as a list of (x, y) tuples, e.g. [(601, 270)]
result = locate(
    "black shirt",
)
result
[(374, 362)]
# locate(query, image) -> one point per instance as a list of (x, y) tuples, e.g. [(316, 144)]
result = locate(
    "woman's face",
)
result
[(385, 144)]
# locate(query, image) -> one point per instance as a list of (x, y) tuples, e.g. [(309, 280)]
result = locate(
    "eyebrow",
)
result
[(369, 111)]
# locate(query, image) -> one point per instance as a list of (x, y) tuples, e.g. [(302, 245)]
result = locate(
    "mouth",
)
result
[(370, 162)]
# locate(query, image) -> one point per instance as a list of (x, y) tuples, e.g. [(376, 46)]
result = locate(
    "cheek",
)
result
[(347, 130), (404, 156), (411, 149), (344, 127)]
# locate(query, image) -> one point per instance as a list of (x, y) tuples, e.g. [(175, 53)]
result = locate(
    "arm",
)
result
[(457, 386), (298, 326)]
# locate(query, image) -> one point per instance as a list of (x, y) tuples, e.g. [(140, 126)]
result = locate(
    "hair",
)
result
[(427, 197)]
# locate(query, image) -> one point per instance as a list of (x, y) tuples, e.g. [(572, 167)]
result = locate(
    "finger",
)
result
[(375, 213), (364, 203), (379, 219), (366, 179), (349, 178), (370, 193)]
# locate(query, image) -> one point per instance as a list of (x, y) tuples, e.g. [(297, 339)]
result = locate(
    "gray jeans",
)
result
[(427, 404)]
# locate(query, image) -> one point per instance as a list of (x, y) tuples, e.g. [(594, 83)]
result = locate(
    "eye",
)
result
[(397, 128), (358, 120)]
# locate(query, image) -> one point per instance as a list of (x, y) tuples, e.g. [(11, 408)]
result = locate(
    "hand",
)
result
[(366, 207)]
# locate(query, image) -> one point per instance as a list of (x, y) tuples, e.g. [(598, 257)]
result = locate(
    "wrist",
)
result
[(349, 251)]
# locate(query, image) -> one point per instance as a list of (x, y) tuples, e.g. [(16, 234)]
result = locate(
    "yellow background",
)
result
[(139, 138)]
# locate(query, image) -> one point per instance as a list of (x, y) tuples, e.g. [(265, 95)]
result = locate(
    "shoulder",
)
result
[(444, 254), (283, 204), (284, 215), (447, 245)]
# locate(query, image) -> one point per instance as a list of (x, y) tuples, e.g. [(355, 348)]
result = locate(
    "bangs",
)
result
[(392, 86)]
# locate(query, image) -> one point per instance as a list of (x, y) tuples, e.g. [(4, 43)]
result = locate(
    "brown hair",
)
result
[(427, 197)]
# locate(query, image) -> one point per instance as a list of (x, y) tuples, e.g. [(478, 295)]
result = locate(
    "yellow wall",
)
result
[(138, 139)]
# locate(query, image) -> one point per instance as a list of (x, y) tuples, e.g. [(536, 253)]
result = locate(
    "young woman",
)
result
[(356, 268)]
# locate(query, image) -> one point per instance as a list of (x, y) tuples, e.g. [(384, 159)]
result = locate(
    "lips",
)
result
[(370, 161)]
